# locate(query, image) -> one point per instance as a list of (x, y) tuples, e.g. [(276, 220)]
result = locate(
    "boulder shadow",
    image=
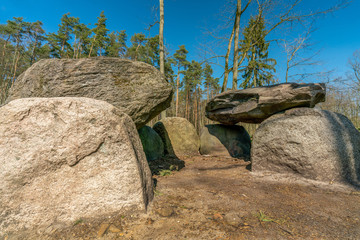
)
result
[(169, 161), (347, 147), (234, 138)]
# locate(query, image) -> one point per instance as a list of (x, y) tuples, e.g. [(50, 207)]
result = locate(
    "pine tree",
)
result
[(192, 79), (100, 36), (180, 62), (137, 49), (60, 41), (259, 68)]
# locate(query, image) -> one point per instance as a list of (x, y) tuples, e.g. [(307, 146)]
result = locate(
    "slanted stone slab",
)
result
[(254, 105), (311, 143), (179, 136), (136, 88), (64, 159)]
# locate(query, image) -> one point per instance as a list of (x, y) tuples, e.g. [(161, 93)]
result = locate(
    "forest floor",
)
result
[(219, 198)]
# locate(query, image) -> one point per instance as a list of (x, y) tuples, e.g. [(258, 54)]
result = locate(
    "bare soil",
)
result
[(220, 198)]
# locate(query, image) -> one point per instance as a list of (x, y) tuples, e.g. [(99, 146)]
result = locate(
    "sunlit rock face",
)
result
[(136, 88), (63, 159), (311, 143)]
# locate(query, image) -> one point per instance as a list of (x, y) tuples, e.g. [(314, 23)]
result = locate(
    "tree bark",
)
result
[(161, 46), (227, 71), (236, 44), (177, 93)]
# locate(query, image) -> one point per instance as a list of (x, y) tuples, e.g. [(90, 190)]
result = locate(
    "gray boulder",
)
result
[(135, 88), (179, 136), (254, 105), (63, 159), (312, 143), (223, 140), (152, 143)]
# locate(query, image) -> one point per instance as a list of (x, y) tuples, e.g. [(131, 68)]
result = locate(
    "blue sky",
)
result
[(337, 35)]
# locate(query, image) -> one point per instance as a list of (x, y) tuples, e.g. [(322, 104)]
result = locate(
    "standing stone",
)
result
[(312, 143), (152, 143), (223, 140), (136, 88), (254, 105), (179, 136), (63, 159)]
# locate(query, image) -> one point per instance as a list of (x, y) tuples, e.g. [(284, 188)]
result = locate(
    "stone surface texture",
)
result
[(224, 140), (63, 159), (152, 143), (136, 88), (254, 105), (179, 136), (312, 143)]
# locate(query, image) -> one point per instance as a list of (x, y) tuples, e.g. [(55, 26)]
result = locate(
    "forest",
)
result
[(246, 61)]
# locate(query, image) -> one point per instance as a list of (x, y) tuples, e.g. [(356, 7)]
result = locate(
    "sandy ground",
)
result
[(219, 198)]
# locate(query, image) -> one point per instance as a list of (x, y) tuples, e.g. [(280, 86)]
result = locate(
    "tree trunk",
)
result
[(92, 45), (236, 44), (15, 68), (177, 93), (227, 70), (161, 46), (74, 47)]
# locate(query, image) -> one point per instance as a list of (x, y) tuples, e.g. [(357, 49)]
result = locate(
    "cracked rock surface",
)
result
[(63, 159)]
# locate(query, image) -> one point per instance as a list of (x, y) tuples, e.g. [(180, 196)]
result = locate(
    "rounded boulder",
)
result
[(179, 136), (311, 143)]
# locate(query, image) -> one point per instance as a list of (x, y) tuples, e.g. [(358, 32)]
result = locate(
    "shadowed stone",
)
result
[(223, 140), (152, 143)]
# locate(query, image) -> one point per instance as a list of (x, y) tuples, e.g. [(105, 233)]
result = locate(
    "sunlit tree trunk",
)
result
[(177, 93), (161, 46), (236, 44), (227, 71)]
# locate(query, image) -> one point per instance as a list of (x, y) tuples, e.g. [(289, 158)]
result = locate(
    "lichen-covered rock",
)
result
[(152, 143), (312, 143), (224, 140), (63, 159), (136, 88), (254, 105), (179, 136)]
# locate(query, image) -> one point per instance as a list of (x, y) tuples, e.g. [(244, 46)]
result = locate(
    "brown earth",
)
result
[(219, 198)]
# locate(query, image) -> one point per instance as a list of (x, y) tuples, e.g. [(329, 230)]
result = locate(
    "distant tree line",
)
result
[(23, 43)]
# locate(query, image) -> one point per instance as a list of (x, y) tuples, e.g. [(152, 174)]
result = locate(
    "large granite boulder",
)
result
[(63, 159), (152, 143), (254, 105), (179, 136), (224, 140), (312, 143), (136, 88)]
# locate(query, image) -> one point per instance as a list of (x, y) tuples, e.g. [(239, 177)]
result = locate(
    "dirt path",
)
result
[(217, 198)]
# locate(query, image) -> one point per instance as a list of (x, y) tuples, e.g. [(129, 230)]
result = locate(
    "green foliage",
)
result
[(193, 75), (100, 35), (77, 222), (165, 172), (210, 83), (259, 69), (116, 45)]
